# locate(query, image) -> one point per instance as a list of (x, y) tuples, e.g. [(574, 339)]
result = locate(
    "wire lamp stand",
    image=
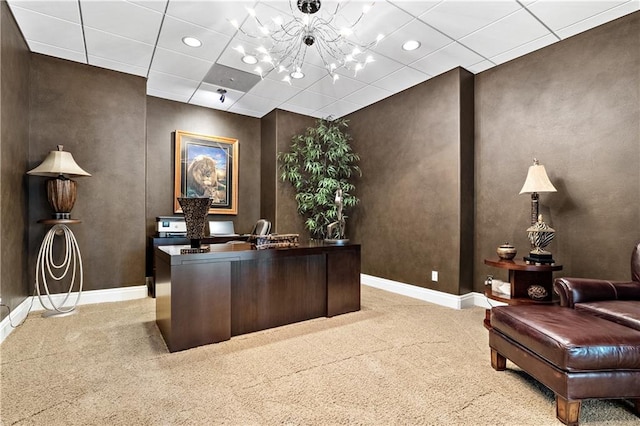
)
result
[(69, 269)]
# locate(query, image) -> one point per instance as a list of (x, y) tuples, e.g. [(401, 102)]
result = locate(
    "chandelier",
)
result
[(283, 46)]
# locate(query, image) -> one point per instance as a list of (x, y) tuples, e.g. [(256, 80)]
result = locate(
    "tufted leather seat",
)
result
[(588, 347)]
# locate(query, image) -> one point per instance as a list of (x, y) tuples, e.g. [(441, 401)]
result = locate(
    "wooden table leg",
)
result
[(568, 412), (498, 362)]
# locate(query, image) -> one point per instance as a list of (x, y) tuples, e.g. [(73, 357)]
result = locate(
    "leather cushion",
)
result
[(625, 312), (571, 340)]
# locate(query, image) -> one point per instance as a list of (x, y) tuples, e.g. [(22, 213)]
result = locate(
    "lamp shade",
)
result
[(537, 180), (58, 163)]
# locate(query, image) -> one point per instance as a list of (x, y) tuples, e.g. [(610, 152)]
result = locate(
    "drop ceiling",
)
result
[(144, 38)]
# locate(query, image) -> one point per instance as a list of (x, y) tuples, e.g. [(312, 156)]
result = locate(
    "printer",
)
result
[(175, 226)]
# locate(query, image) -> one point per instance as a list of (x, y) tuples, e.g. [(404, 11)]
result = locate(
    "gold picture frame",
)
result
[(206, 166)]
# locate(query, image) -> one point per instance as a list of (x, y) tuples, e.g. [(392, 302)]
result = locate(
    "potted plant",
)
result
[(319, 164)]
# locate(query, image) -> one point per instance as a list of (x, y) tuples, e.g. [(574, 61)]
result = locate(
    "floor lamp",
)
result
[(61, 194)]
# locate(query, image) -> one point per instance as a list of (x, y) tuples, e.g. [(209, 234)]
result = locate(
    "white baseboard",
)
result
[(432, 296), (32, 304)]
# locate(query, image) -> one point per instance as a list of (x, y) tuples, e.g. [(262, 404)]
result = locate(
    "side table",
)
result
[(521, 276), (47, 268)]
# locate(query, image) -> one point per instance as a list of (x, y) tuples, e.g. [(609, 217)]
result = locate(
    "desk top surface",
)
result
[(245, 251)]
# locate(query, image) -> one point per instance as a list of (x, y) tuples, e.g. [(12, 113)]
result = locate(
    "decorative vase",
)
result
[(195, 215), (506, 251)]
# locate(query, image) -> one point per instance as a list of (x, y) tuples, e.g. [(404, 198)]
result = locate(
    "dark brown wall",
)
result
[(416, 149), (575, 106), (14, 155), (99, 116), (164, 117), (278, 197)]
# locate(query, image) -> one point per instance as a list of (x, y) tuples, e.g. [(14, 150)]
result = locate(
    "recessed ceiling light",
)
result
[(191, 41), (411, 45), (249, 59), (297, 74)]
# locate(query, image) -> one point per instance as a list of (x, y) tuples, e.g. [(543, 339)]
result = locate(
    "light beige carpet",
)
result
[(398, 361)]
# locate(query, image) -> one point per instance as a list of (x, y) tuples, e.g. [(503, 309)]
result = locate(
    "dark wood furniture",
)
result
[(235, 289), (521, 276), (154, 242)]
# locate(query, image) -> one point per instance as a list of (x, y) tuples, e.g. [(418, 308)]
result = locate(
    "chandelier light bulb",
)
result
[(278, 21), (297, 74), (287, 79), (234, 22)]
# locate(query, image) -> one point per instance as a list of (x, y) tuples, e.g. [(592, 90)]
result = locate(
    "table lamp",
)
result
[(61, 191), (537, 181)]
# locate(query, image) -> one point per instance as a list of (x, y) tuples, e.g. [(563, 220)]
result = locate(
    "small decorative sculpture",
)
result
[(335, 230)]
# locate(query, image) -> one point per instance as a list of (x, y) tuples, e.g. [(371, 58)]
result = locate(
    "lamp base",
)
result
[(539, 259), (61, 216)]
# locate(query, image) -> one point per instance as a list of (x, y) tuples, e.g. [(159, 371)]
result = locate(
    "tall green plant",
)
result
[(319, 162)]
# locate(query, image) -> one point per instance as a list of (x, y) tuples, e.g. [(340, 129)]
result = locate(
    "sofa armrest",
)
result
[(580, 290)]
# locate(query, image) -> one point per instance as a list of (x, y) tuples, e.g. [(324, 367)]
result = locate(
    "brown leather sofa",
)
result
[(588, 347)]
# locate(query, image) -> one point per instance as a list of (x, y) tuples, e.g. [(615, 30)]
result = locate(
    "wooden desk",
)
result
[(154, 242), (209, 297)]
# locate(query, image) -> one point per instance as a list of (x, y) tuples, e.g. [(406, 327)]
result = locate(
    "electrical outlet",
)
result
[(434, 276)]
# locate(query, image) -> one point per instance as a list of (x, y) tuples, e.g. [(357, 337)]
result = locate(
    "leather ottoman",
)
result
[(576, 355)]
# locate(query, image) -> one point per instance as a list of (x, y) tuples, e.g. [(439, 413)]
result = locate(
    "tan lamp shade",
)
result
[(537, 180), (58, 163), (61, 191)]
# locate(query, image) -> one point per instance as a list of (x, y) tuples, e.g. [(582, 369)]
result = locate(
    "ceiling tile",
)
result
[(122, 18), (213, 15), (170, 62), (57, 52), (561, 14), (274, 89), (237, 110), (415, 8), (118, 66), (166, 95), (524, 49), (339, 88), (505, 34), (48, 30), (383, 18), (401, 79), (231, 57), (338, 109), (171, 84), (459, 18), (299, 110), (311, 100), (119, 49), (67, 10), (430, 41), (257, 103), (157, 5), (368, 95), (447, 58), (599, 19), (481, 66), (173, 30)]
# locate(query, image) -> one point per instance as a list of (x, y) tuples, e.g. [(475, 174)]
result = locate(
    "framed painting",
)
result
[(206, 166)]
